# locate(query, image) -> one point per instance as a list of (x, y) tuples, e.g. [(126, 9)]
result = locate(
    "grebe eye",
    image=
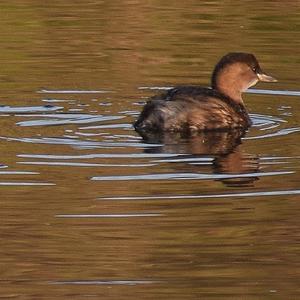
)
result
[(254, 69)]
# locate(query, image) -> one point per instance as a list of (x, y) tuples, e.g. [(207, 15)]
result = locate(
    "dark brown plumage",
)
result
[(191, 108)]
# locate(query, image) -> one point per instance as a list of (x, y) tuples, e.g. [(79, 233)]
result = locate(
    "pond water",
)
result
[(91, 211)]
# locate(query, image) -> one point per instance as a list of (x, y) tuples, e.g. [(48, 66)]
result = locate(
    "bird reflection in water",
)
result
[(224, 147)]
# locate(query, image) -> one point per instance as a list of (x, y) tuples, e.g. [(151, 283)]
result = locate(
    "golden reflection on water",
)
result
[(157, 247)]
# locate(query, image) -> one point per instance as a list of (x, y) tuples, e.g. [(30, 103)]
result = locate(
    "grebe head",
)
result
[(236, 72)]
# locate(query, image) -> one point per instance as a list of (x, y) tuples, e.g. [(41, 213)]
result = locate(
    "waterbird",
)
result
[(192, 109)]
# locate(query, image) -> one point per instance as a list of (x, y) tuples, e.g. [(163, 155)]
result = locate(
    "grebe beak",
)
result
[(266, 78)]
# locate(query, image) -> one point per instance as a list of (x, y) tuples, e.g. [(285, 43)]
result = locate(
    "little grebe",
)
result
[(191, 108)]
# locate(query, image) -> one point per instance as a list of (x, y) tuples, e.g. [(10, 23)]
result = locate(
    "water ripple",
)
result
[(273, 92), (80, 144), (58, 100), (229, 195), (250, 91), (188, 160), (110, 215), (281, 132), (108, 126), (29, 109), (69, 119), (262, 120), (186, 176), (26, 183), (18, 173), (99, 155), (78, 164), (45, 91), (105, 282)]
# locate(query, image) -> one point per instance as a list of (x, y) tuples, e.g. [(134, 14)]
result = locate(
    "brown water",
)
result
[(89, 210)]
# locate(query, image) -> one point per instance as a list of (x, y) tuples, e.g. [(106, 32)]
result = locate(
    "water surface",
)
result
[(89, 209)]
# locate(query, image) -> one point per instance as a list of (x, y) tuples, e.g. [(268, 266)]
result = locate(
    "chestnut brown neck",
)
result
[(233, 80)]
